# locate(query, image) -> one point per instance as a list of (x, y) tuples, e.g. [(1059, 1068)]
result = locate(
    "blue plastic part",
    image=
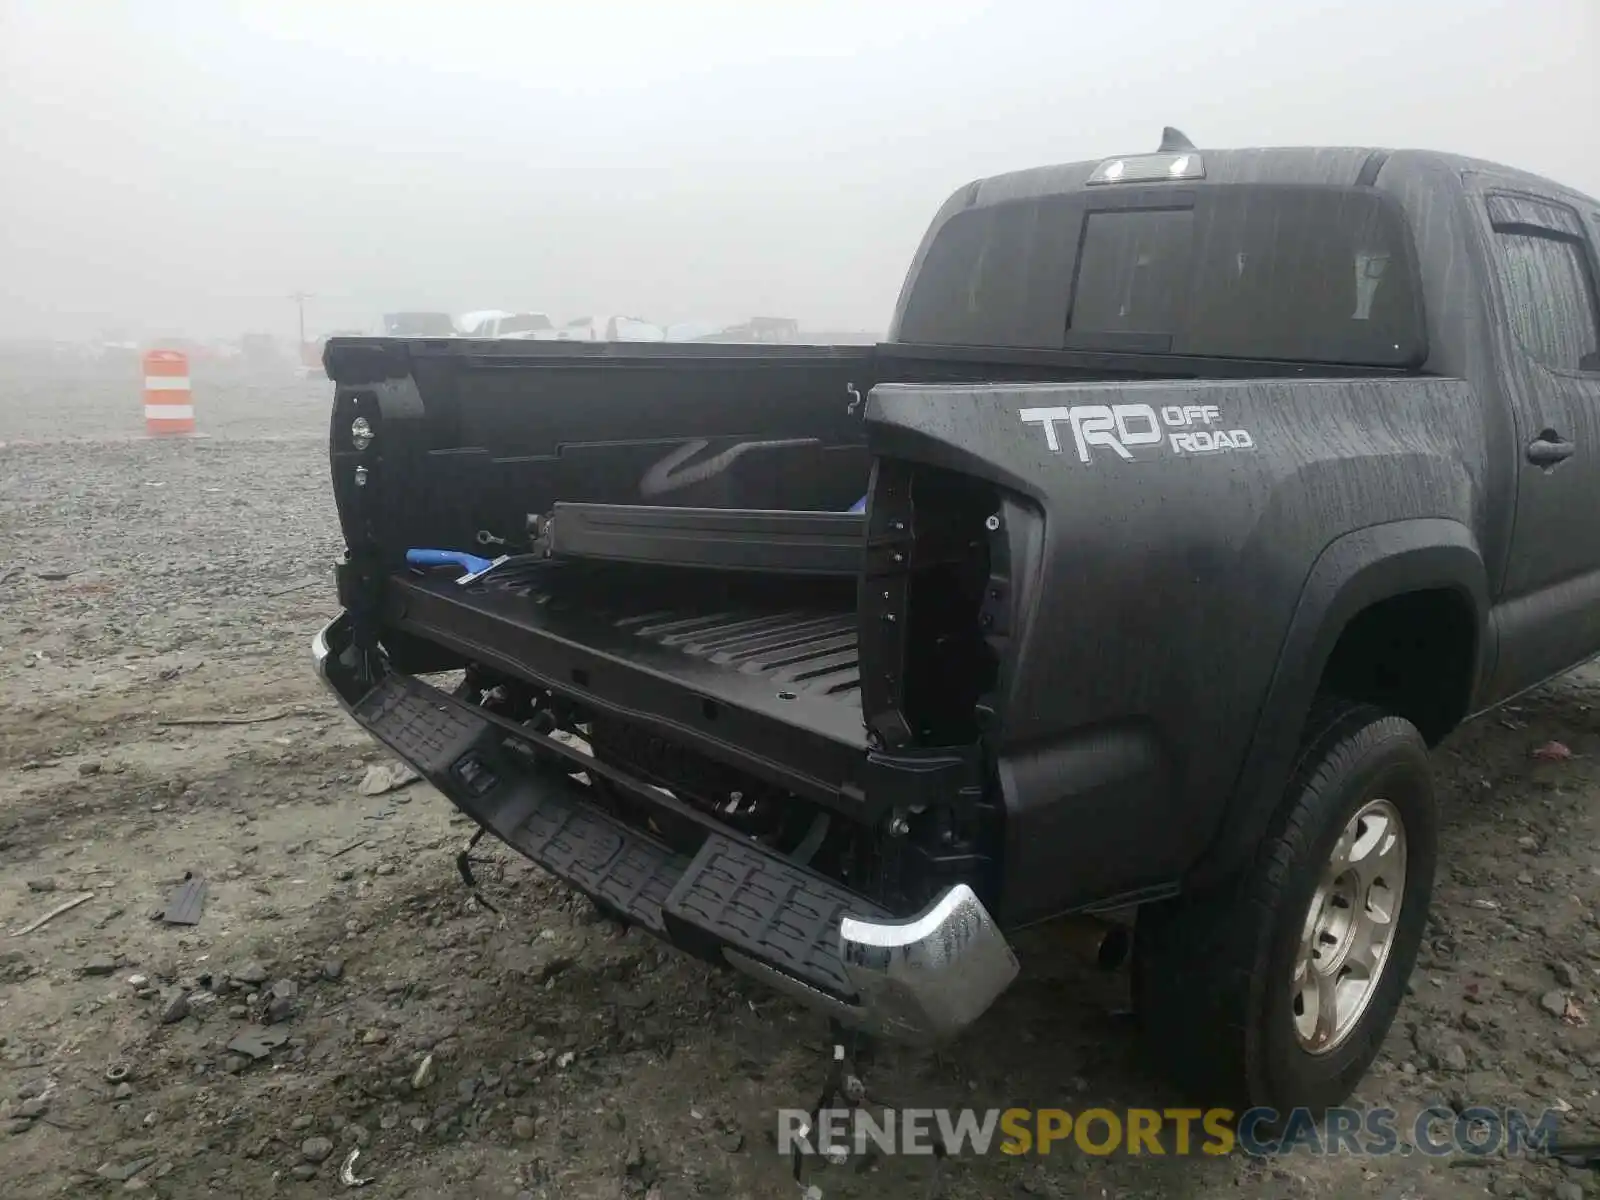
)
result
[(860, 506), (470, 563)]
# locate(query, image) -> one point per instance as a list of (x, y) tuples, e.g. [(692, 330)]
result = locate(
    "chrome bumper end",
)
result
[(930, 976)]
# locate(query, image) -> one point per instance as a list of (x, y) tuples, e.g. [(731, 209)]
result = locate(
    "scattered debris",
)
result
[(316, 1149), (117, 1073), (343, 850), (280, 1001), (259, 719), (97, 968), (185, 904), (122, 1172), (1566, 974), (347, 1171), (258, 1043), (294, 587), (252, 973), (1552, 752), (42, 885), (387, 777), (64, 906), (174, 1007), (423, 1076)]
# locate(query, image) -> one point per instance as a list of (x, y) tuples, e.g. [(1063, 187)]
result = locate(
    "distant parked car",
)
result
[(496, 323), (767, 329), (610, 329), (756, 329), (419, 324), (699, 331)]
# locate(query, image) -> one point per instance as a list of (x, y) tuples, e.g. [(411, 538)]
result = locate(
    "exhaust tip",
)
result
[(1116, 947)]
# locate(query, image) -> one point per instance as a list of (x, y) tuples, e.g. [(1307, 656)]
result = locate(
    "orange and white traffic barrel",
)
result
[(168, 405)]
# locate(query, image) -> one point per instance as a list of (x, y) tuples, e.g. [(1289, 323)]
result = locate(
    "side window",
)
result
[(1552, 297)]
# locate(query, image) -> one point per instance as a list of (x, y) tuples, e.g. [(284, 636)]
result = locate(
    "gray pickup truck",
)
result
[(1191, 498)]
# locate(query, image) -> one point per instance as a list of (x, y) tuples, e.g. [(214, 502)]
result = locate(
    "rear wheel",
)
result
[(1277, 989)]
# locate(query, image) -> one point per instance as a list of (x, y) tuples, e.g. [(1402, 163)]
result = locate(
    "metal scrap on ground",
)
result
[(279, 715), (64, 906), (347, 1172), (294, 587), (186, 902), (257, 1043)]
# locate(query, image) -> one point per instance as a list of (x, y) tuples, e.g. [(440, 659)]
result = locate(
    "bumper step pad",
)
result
[(730, 894), (743, 898)]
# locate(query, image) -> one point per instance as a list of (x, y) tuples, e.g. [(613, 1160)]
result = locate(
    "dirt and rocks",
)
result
[(343, 992)]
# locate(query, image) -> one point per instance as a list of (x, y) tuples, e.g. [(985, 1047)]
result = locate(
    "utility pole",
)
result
[(300, 299)]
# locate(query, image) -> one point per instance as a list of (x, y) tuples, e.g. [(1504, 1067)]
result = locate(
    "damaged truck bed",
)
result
[(1190, 499), (763, 682)]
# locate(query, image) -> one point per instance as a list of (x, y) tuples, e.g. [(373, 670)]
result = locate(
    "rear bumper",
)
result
[(921, 978)]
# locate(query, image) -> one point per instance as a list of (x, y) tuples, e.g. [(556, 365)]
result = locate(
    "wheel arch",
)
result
[(1355, 576)]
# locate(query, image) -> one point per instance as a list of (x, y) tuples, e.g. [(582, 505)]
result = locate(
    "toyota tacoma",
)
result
[(1191, 497)]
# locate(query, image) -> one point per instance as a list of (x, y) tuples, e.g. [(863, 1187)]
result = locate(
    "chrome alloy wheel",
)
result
[(1349, 927)]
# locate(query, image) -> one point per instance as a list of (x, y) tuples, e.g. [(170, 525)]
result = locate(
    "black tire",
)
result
[(1212, 972)]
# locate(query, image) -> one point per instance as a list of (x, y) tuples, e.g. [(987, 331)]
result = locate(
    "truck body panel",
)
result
[(1143, 554)]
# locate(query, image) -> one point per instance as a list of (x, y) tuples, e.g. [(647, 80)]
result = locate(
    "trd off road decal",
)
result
[(1136, 432)]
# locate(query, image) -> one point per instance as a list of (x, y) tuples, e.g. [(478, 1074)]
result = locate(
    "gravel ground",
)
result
[(145, 585)]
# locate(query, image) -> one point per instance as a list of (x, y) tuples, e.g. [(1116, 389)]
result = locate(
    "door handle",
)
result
[(1549, 448)]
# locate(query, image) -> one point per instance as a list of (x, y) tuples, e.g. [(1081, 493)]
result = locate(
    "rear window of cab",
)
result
[(1300, 273)]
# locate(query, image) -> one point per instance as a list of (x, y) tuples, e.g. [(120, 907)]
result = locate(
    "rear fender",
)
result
[(1353, 572)]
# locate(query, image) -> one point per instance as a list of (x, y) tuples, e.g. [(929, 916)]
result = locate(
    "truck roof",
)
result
[(1336, 166)]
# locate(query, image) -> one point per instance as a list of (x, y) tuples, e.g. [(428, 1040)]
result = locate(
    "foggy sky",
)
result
[(181, 166)]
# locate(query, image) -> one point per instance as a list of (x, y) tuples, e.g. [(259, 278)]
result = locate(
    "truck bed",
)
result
[(763, 678), (475, 435)]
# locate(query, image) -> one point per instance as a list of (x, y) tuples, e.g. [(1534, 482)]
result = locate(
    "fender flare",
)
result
[(1353, 572)]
